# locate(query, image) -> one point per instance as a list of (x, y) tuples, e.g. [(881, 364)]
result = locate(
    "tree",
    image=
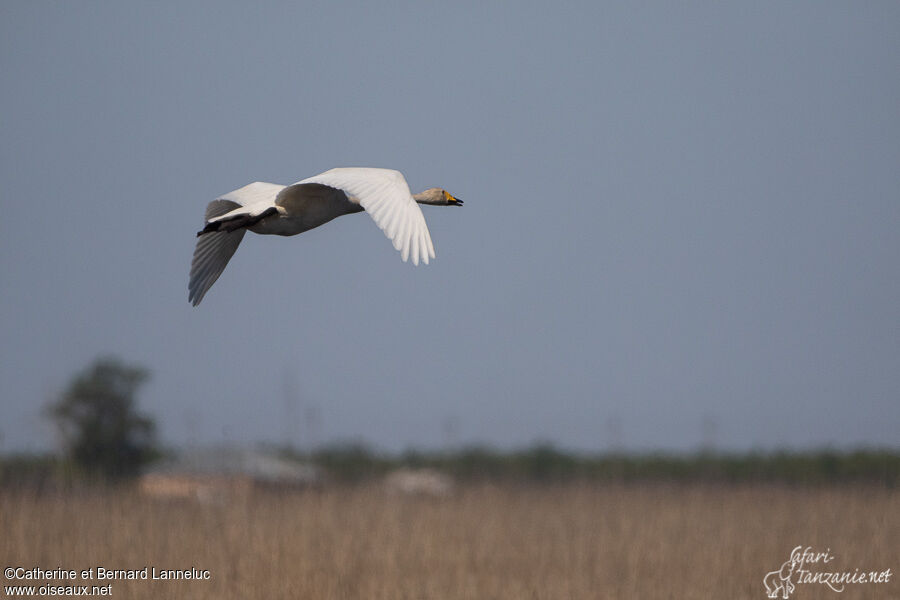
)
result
[(97, 416)]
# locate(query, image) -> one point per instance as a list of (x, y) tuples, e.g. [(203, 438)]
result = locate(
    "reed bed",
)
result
[(483, 541)]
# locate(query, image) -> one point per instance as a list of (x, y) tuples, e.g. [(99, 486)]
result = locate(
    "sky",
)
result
[(681, 223)]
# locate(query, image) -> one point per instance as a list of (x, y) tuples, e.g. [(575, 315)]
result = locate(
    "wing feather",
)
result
[(212, 254), (403, 234), (213, 251)]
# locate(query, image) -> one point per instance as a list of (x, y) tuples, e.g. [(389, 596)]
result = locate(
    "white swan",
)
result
[(269, 208)]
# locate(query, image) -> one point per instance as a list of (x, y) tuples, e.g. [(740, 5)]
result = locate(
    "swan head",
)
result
[(438, 197)]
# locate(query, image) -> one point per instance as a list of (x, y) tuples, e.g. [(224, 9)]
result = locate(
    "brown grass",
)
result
[(573, 541)]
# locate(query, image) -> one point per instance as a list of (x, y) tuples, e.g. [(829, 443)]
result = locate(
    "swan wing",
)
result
[(215, 249), (251, 200), (211, 256), (385, 195), (253, 193)]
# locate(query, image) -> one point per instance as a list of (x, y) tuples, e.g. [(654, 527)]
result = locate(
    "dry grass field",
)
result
[(483, 542)]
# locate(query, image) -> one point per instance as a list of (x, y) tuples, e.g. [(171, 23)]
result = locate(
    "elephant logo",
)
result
[(780, 580)]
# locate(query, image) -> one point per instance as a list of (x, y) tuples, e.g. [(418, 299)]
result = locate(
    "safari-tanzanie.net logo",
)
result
[(806, 566)]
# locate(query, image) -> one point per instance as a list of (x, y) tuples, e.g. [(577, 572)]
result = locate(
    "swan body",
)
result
[(272, 209)]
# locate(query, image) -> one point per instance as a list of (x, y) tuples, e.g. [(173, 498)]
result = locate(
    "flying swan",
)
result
[(272, 209)]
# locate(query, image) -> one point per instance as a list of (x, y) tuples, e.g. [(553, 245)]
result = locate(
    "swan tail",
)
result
[(238, 220)]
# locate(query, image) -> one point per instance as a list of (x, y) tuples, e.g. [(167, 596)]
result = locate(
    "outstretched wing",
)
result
[(213, 252), (384, 194), (215, 248)]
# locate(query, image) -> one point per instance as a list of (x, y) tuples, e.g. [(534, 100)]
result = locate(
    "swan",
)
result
[(272, 209)]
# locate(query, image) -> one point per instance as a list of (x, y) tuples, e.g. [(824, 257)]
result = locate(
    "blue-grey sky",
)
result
[(682, 220)]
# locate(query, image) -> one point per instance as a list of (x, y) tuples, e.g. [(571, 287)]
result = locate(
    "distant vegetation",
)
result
[(103, 433), (106, 438), (545, 463)]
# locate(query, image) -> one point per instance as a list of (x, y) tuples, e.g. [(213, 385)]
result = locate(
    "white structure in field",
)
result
[(419, 482), (218, 473)]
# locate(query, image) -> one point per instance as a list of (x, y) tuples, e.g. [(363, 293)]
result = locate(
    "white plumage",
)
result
[(269, 208)]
